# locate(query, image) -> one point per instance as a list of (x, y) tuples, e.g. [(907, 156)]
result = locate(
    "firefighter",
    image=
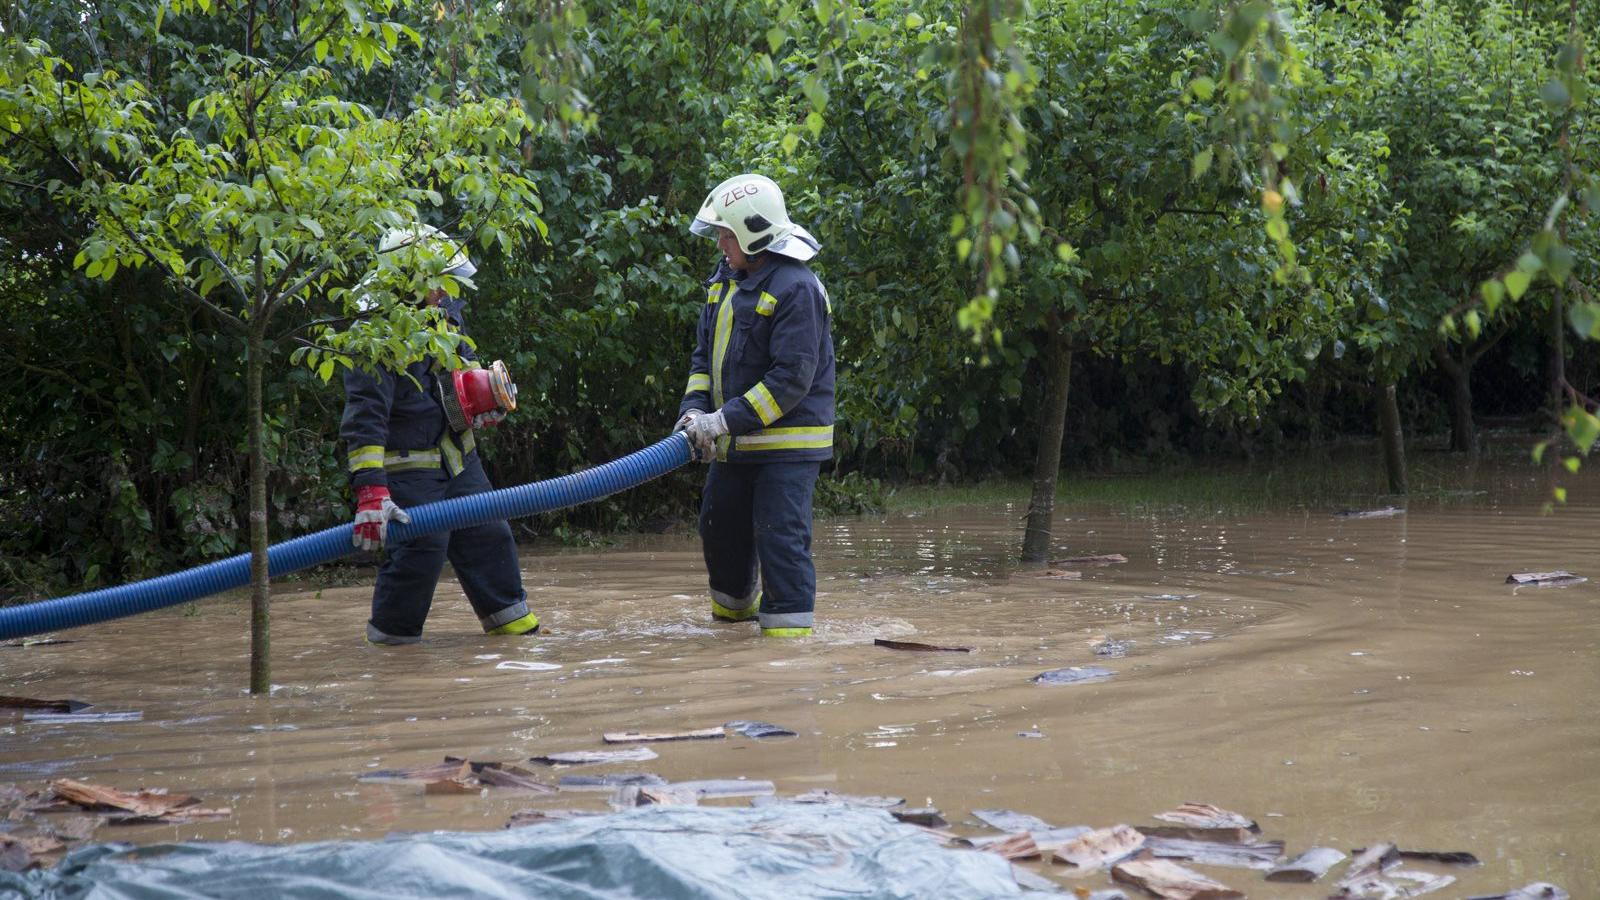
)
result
[(410, 442), (759, 407)]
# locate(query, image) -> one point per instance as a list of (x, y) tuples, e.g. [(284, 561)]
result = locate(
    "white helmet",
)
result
[(459, 265), (751, 206)]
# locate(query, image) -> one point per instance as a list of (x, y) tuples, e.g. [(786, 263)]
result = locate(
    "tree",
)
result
[(271, 192)]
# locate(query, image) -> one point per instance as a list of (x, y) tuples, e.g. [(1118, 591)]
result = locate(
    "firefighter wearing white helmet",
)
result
[(759, 407), (411, 441)]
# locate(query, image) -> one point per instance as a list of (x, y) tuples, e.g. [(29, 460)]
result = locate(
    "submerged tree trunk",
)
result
[(260, 639), (1053, 424), (1463, 431), (1393, 439)]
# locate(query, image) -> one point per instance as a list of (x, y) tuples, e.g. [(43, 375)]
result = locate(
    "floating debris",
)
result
[(1308, 866), (1073, 675), (1100, 847), (1545, 579), (135, 808), (451, 768), (1539, 890), (1384, 513), (1033, 882), (1010, 821), (1183, 833), (923, 648), (925, 817), (1372, 875), (1170, 596), (537, 816), (715, 788), (518, 665), (15, 858), (825, 796), (630, 796), (1262, 856), (34, 642), (1203, 815), (1171, 881), (450, 786), (608, 782), (1063, 574), (1027, 845), (595, 757), (1030, 734), (1105, 559), (1447, 857), (1110, 649), (50, 706), (508, 777), (81, 718), (631, 737), (759, 730)]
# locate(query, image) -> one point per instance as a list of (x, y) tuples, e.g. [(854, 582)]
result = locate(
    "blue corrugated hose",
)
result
[(331, 543)]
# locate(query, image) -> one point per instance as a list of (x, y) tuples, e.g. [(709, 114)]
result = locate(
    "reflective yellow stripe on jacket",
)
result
[(804, 437), (369, 457)]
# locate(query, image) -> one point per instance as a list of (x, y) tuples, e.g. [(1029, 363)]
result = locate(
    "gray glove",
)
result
[(703, 431), (687, 418)]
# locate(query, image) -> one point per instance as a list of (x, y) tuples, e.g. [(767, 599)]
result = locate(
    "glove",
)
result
[(687, 418), (374, 511), (703, 431)]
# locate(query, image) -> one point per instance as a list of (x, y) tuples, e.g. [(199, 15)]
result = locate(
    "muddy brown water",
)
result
[(1342, 681)]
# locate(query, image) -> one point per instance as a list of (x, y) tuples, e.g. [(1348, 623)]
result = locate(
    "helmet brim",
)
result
[(704, 228)]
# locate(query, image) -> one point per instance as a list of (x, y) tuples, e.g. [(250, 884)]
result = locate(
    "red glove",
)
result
[(374, 511)]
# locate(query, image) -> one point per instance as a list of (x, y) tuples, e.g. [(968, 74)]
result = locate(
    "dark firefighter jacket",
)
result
[(764, 356), (390, 425)]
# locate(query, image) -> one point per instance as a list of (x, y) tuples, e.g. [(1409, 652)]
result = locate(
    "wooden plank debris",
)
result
[(1170, 881), (125, 808), (1101, 847), (1046, 841), (538, 816), (640, 737), (82, 718), (51, 706), (630, 796), (924, 817), (1539, 890), (1183, 833), (1446, 857), (1011, 821), (1308, 866), (508, 777), (1073, 675), (1191, 814), (918, 647), (823, 795), (451, 768), (713, 788), (758, 730), (1545, 579), (607, 782), (1104, 559), (595, 757), (451, 786), (1384, 513), (1261, 856)]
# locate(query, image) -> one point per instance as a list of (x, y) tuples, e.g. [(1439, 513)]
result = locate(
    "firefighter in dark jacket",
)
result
[(759, 407), (404, 450)]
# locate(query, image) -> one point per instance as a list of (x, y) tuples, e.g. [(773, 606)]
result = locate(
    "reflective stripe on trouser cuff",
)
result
[(736, 604), (785, 620), (374, 636), (510, 614), (369, 457), (417, 459), (804, 437)]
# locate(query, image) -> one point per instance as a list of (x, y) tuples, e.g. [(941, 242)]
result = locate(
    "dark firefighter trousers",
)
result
[(484, 557), (755, 518)]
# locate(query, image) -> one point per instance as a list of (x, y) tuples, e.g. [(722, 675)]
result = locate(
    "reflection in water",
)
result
[(1342, 680)]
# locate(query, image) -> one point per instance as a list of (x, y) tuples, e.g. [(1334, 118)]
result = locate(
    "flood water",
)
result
[(1343, 681)]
